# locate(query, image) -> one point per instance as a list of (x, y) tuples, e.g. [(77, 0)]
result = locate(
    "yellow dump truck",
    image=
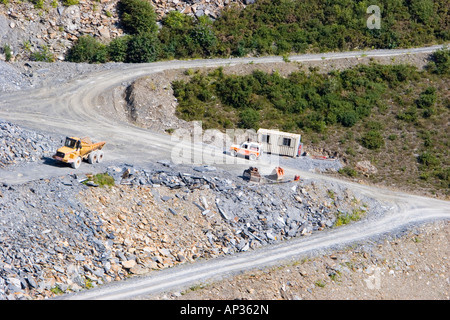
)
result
[(75, 150)]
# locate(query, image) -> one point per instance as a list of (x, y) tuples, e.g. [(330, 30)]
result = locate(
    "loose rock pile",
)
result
[(18, 145), (10, 78), (261, 213), (59, 235)]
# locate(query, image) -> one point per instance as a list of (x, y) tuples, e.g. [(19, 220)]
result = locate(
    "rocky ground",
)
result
[(60, 235), (412, 266), (19, 146)]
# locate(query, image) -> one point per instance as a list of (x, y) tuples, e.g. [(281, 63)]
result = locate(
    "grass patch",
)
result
[(100, 179), (344, 218), (320, 283)]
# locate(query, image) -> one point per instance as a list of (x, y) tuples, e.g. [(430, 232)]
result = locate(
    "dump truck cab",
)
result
[(252, 150), (77, 149), (72, 143)]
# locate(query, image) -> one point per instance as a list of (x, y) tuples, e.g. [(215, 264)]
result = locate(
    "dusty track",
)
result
[(73, 108)]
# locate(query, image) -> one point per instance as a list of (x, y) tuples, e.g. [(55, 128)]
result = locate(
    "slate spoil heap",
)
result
[(59, 235), (18, 145)]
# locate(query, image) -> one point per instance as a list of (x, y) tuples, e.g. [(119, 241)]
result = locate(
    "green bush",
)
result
[(440, 62), (88, 49), (372, 140), (310, 102), (70, 2), (118, 49), (349, 118), (137, 16), (286, 26), (249, 119), (39, 4), (426, 101), (43, 54), (423, 11), (427, 98), (348, 171), (409, 115), (8, 52), (428, 159), (143, 48)]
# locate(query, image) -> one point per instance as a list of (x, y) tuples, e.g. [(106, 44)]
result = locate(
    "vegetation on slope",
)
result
[(394, 115), (269, 27)]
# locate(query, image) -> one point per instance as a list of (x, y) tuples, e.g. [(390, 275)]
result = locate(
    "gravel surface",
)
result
[(19, 146), (27, 75), (410, 266)]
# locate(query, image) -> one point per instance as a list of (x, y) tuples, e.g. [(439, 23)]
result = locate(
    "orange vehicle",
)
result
[(252, 150), (75, 150)]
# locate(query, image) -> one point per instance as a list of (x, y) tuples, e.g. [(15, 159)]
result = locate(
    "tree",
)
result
[(440, 63), (422, 10), (118, 48), (137, 16), (88, 49), (249, 119), (143, 48)]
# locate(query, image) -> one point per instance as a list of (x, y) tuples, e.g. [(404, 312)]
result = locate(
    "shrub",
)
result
[(43, 54), (349, 118), (309, 102), (39, 4), (345, 218), (427, 159), (422, 10), (88, 49), (426, 101), (137, 16), (427, 98), (348, 171), (409, 115), (118, 49), (440, 62), (372, 140), (204, 39), (8, 52), (249, 119), (143, 48)]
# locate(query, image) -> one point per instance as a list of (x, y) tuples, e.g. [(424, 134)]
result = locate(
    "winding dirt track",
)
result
[(73, 107)]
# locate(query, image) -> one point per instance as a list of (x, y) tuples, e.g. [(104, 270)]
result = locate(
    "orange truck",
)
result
[(77, 149), (252, 150)]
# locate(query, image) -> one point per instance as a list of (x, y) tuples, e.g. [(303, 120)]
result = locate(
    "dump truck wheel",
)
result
[(252, 157), (77, 163), (93, 157), (100, 156)]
